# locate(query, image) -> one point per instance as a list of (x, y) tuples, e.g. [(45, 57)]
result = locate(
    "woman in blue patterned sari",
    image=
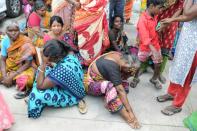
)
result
[(58, 86)]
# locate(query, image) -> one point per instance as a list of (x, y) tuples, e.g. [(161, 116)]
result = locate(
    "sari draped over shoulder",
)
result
[(68, 90), (68, 75), (45, 23), (92, 27), (20, 51), (90, 22)]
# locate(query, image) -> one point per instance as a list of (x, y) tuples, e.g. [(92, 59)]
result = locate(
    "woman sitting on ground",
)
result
[(117, 37), (56, 29), (60, 85), (104, 78), (38, 22), (57, 32), (17, 65)]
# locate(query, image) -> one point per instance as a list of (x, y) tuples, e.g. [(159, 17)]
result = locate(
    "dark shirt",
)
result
[(109, 70), (118, 38)]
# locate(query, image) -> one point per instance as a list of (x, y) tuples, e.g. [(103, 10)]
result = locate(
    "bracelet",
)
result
[(40, 70)]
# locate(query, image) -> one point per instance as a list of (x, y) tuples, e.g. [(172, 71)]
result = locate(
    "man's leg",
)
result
[(157, 60), (112, 4), (143, 58), (119, 8)]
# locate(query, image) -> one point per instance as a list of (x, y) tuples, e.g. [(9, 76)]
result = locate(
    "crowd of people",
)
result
[(69, 49)]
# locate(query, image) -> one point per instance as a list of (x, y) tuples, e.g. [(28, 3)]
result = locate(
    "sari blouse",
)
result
[(34, 20)]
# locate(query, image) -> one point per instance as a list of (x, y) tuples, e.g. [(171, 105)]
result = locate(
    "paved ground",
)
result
[(98, 118)]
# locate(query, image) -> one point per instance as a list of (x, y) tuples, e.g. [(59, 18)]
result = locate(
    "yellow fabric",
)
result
[(36, 40), (46, 20), (19, 51), (30, 72), (143, 5)]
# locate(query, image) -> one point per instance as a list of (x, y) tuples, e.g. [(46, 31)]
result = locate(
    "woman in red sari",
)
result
[(168, 32), (89, 21)]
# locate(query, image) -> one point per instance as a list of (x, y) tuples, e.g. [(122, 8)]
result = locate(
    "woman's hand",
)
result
[(45, 60), (167, 21), (8, 81), (162, 27)]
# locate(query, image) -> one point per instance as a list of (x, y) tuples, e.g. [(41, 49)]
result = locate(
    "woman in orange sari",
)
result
[(17, 66), (127, 10), (89, 21)]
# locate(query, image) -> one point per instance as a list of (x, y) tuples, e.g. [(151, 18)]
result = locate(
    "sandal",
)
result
[(82, 107), (26, 100), (134, 124), (164, 98), (171, 110), (134, 82), (162, 79), (156, 83), (20, 95)]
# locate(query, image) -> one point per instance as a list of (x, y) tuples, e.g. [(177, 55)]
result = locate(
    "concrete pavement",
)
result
[(142, 99)]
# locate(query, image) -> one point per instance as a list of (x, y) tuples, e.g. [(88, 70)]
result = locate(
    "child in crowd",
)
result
[(149, 44)]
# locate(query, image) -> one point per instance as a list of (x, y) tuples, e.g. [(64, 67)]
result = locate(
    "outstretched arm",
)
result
[(189, 13), (123, 97)]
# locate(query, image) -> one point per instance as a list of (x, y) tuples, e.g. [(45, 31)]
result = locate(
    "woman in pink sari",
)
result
[(6, 118), (89, 21)]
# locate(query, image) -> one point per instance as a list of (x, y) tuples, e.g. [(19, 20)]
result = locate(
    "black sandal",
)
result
[(164, 98), (20, 95), (156, 83), (134, 82), (171, 110)]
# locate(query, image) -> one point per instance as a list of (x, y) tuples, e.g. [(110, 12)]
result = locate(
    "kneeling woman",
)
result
[(59, 86), (104, 78)]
